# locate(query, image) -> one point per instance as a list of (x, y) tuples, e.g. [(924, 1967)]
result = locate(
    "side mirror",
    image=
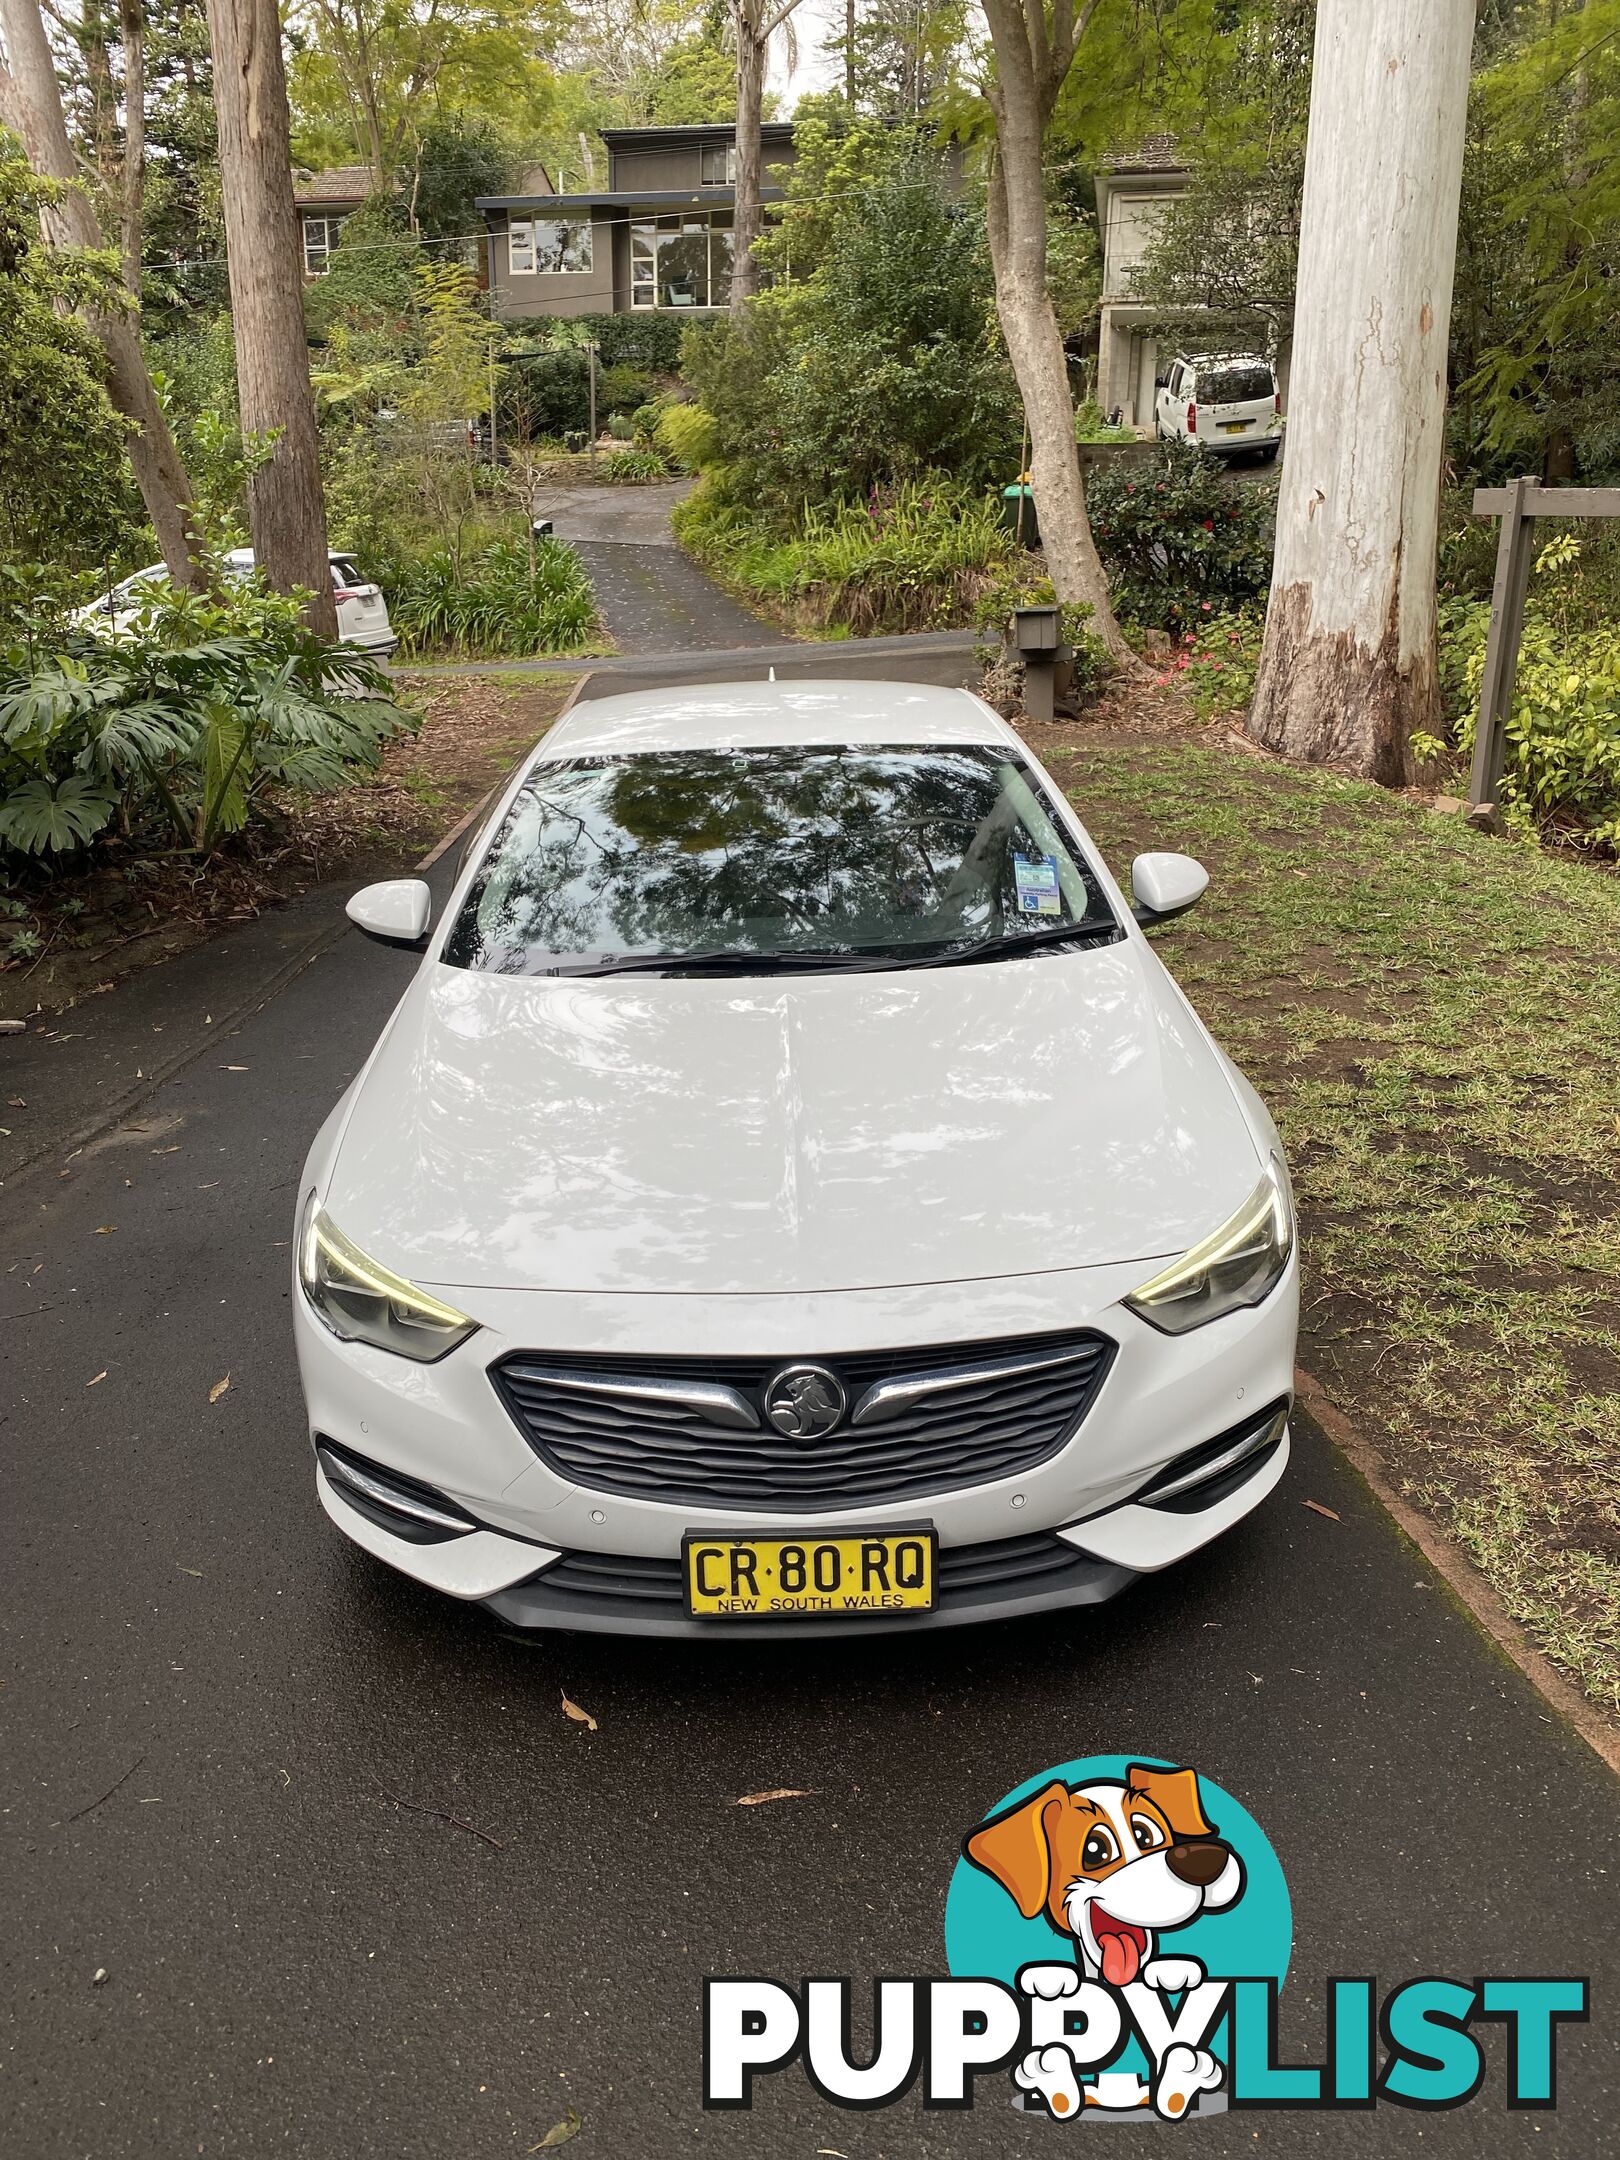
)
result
[(396, 912), (1161, 382), (1166, 885)]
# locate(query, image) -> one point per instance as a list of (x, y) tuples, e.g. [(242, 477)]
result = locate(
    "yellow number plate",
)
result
[(805, 1578)]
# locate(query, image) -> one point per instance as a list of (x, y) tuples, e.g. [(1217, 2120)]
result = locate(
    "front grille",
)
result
[(964, 1574), (693, 1430)]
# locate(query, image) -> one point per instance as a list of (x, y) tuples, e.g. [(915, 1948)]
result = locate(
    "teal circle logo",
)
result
[(1119, 1866)]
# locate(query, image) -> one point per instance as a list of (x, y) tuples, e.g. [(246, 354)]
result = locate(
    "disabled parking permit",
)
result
[(1037, 884)]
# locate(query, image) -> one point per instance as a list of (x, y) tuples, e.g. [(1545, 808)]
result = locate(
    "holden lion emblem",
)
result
[(804, 1401)]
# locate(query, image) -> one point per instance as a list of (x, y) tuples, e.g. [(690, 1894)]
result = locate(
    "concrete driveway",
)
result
[(301, 1859)]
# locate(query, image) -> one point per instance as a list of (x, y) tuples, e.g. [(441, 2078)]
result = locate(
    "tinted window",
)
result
[(845, 850), (1237, 385)]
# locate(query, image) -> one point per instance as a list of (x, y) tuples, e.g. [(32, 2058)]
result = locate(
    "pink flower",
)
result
[(1204, 604)]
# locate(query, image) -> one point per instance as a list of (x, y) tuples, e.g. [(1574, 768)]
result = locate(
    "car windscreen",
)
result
[(1240, 382), (848, 853)]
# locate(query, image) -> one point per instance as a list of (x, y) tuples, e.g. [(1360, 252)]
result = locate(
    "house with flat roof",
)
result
[(1133, 193), (657, 236)]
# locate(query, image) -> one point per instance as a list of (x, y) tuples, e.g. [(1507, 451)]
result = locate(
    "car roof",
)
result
[(711, 716), (1225, 359)]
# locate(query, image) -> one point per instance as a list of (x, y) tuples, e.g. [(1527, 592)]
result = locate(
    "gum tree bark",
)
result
[(1347, 671), (132, 200), (754, 23), (31, 101), (286, 509), (1035, 48)]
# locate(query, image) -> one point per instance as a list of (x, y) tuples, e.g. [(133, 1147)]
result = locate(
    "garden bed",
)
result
[(1432, 1018), (83, 931)]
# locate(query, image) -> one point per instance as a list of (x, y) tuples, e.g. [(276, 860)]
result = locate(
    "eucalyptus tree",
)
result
[(31, 104), (753, 24), (1348, 668)]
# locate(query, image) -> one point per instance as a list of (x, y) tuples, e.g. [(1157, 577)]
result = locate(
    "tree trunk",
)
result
[(748, 218), (35, 98), (1016, 219), (1347, 671), (286, 511), (132, 201)]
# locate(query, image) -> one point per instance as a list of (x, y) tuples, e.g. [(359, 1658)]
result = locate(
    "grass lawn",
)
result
[(1434, 1020)]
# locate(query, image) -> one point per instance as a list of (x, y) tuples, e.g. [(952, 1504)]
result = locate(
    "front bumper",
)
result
[(542, 1552), (609, 1594)]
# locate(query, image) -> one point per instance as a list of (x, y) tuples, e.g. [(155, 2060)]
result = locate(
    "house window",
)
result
[(718, 166), (538, 247), (681, 262), (320, 238)]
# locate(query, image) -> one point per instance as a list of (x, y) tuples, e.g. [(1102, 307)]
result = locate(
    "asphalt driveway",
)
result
[(354, 1881)]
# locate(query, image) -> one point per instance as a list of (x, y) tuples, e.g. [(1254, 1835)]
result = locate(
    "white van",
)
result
[(1225, 402), (362, 612)]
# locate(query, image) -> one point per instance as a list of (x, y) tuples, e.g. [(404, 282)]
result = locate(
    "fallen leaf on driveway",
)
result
[(777, 1792), (99, 1376), (218, 1388), (580, 1717), (236, 1068), (105, 1229), (197, 1571), (560, 2133), (1317, 1508)]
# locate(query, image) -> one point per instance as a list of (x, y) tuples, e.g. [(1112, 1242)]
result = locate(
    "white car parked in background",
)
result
[(1225, 402), (791, 1193), (362, 612)]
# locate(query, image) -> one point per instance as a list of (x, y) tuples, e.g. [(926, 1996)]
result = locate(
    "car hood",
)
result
[(791, 1134)]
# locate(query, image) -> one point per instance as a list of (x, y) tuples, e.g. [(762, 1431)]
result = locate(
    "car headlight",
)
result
[(1239, 1264), (362, 1301)]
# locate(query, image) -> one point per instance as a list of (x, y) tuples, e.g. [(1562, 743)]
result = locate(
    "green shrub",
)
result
[(545, 393), (911, 558), (686, 433), (1174, 535), (187, 721), (634, 465), (1561, 769), (495, 602), (621, 389), (881, 367), (644, 421), (1221, 658), (645, 339), (620, 428)]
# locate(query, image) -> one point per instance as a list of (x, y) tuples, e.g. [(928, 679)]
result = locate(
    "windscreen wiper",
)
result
[(702, 963), (1091, 930)]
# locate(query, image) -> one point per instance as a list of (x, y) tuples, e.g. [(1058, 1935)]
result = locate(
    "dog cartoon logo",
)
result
[(1113, 1864)]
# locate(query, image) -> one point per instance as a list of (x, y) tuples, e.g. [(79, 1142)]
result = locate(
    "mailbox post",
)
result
[(1037, 640)]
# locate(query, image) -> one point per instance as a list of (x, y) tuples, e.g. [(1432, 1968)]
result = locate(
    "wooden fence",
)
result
[(1516, 505)]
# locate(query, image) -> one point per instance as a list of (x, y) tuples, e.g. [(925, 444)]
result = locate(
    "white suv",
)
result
[(362, 612), (1225, 402)]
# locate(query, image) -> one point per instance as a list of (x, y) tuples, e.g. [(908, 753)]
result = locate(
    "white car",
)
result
[(362, 612), (1225, 402), (791, 1194)]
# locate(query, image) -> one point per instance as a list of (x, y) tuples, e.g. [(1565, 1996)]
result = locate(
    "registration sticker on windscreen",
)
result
[(809, 1578)]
